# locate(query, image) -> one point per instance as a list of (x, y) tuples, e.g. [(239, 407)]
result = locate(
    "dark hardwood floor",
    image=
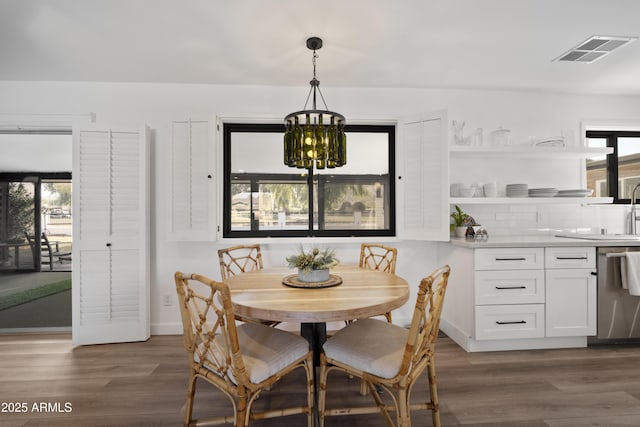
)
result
[(144, 384)]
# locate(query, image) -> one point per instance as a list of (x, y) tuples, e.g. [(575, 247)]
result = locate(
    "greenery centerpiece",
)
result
[(313, 265)]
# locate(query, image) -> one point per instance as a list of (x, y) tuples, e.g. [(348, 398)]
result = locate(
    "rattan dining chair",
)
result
[(242, 361), (390, 357), (241, 259), (374, 256)]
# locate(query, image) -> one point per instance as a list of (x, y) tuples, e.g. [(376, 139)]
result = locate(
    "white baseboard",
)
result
[(166, 329), (471, 345), (456, 334)]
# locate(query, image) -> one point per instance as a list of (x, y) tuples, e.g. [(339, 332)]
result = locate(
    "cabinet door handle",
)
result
[(511, 259), (510, 323), (108, 245), (510, 287), (571, 257)]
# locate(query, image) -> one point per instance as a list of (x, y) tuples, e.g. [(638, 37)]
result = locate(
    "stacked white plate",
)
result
[(517, 190), (543, 192), (580, 192)]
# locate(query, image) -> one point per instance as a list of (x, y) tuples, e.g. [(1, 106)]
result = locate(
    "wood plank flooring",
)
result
[(144, 384)]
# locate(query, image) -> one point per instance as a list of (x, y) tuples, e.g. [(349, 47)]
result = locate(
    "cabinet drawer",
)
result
[(579, 257), (509, 321), (509, 259), (509, 287)]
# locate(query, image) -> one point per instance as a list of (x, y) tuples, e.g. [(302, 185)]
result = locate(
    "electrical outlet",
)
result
[(167, 300)]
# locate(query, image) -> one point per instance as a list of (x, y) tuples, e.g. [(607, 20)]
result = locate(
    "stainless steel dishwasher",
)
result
[(618, 312)]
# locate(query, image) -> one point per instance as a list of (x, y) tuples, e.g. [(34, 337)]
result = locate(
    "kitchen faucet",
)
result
[(633, 215)]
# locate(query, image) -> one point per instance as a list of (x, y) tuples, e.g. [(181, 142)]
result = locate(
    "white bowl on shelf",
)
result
[(467, 191)]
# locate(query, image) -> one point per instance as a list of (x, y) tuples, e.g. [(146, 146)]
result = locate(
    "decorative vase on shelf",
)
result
[(313, 275)]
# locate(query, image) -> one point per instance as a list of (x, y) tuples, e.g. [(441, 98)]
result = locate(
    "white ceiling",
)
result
[(490, 44)]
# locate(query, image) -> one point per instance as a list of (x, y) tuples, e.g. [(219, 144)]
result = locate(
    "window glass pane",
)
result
[(355, 204), (628, 166), (597, 169), (17, 217), (263, 197), (240, 206), (258, 152), (350, 198), (283, 206)]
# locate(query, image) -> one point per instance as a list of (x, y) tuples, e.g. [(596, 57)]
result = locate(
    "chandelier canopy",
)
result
[(315, 138)]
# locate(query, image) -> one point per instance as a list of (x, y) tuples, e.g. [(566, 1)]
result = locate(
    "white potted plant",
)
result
[(314, 265), (460, 221)]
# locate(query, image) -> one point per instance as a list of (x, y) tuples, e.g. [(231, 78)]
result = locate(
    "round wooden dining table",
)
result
[(261, 294)]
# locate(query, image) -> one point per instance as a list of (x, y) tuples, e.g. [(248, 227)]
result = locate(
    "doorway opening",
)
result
[(35, 232)]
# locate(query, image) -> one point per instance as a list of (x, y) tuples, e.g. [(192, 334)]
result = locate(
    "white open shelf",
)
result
[(526, 151), (529, 200)]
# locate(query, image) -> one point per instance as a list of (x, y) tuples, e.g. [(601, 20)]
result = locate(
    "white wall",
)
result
[(525, 113)]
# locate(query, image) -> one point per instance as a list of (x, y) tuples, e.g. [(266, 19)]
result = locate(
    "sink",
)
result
[(585, 236)]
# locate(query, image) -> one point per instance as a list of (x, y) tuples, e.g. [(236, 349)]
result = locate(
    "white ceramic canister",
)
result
[(500, 136), (490, 189)]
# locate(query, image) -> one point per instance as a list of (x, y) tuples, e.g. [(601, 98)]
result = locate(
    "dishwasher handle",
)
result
[(616, 255)]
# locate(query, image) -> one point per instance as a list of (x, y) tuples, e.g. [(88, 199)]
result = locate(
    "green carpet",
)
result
[(35, 293)]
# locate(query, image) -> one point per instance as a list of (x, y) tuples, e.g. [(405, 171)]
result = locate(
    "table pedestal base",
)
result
[(316, 334)]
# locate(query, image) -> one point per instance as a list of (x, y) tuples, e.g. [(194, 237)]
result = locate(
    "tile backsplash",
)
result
[(505, 219)]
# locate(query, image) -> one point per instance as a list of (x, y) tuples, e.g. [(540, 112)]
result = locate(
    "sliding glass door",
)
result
[(19, 218)]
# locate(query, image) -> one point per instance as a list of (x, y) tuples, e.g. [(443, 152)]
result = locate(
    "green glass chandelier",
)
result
[(315, 138)]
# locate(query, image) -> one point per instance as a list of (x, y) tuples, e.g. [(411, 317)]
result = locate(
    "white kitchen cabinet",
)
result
[(571, 289), (192, 210), (509, 293), (110, 294), (498, 322), (519, 297), (509, 287), (509, 258), (422, 183)]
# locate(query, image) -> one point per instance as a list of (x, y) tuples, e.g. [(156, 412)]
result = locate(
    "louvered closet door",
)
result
[(111, 236)]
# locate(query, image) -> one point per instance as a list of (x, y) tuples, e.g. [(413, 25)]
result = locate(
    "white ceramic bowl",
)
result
[(467, 191)]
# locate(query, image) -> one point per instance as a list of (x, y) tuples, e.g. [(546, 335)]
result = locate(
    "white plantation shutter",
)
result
[(192, 210), (423, 178), (111, 236)]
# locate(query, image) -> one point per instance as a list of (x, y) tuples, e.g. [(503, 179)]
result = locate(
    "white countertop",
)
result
[(537, 240)]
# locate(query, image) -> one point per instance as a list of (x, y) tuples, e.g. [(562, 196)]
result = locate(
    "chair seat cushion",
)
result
[(266, 350), (369, 345)]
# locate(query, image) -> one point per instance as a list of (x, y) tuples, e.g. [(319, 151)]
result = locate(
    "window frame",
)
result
[(228, 178), (612, 164)]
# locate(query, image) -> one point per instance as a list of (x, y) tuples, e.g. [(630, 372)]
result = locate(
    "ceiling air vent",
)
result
[(594, 48)]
